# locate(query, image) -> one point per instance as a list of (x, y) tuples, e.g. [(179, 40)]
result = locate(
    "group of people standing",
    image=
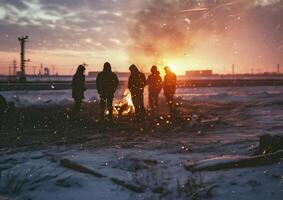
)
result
[(107, 83)]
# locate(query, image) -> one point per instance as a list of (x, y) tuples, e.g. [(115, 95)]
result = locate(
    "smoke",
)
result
[(158, 32), (172, 28)]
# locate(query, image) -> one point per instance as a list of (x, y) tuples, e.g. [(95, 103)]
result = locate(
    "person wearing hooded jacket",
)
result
[(169, 88), (78, 88), (106, 85), (136, 84), (154, 82)]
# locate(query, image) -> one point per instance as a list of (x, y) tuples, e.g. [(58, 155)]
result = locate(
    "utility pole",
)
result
[(14, 67), (233, 69), (53, 69), (23, 40), (41, 69), (34, 73), (278, 69), (9, 71)]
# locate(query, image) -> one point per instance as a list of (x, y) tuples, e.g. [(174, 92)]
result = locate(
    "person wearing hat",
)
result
[(154, 82), (78, 87), (169, 88), (136, 84), (106, 85)]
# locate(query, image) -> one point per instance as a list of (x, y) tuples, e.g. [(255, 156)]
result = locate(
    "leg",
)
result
[(77, 105), (110, 107), (155, 101), (151, 102), (138, 103), (141, 106), (171, 103), (102, 107)]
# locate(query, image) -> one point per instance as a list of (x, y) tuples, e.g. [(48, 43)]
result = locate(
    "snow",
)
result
[(157, 160), (248, 183)]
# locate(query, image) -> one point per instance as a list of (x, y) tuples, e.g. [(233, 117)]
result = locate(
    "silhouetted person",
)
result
[(154, 82), (3, 108), (169, 88), (78, 88), (106, 84), (136, 84), (7, 111), (3, 104)]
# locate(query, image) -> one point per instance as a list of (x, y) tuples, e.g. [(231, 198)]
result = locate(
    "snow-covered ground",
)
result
[(229, 122)]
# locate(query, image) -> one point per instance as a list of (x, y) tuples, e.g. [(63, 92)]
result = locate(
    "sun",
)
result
[(176, 65), (173, 67), (179, 65)]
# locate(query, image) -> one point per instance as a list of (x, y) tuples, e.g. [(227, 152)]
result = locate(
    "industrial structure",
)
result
[(22, 75)]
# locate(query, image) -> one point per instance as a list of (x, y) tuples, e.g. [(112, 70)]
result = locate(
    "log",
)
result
[(222, 164), (80, 168), (134, 188), (269, 144), (4, 198)]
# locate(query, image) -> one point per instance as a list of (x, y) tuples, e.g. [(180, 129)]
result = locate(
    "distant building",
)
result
[(198, 73)]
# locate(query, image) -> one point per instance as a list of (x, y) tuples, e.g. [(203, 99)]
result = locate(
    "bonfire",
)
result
[(125, 106)]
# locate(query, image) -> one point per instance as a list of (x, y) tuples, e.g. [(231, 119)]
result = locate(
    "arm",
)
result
[(98, 83), (130, 83), (143, 80), (148, 80), (73, 82), (116, 82), (175, 83), (83, 84), (159, 83)]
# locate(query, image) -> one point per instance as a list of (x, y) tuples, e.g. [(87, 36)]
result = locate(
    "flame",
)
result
[(128, 99), (125, 106)]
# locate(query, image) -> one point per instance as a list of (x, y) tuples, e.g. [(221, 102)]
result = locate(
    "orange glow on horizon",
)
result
[(180, 65)]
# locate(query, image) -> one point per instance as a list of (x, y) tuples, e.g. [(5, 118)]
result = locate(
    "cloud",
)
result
[(63, 24), (18, 4), (266, 2), (174, 28), (153, 28)]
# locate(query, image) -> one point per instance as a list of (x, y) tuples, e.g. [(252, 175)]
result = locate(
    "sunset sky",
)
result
[(186, 34)]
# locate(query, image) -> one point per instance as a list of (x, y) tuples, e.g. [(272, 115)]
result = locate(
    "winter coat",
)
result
[(107, 83), (78, 86), (169, 84), (136, 83), (154, 82)]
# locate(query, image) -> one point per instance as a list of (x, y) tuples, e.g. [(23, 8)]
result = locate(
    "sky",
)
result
[(184, 34)]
